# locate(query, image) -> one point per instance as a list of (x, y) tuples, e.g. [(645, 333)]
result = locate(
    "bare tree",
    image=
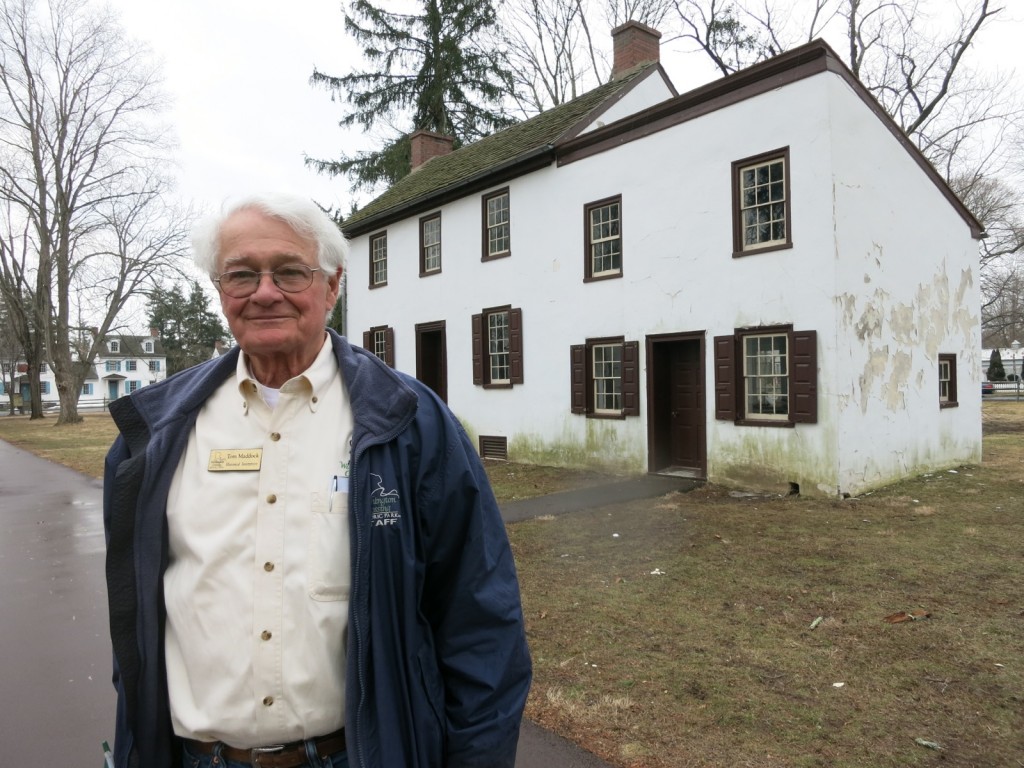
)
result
[(11, 353), (552, 51), (78, 144), (22, 317)]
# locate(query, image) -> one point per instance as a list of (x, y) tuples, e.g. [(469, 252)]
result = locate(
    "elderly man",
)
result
[(306, 565)]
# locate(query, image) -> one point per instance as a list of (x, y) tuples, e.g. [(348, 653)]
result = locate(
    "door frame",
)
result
[(439, 327), (656, 394)]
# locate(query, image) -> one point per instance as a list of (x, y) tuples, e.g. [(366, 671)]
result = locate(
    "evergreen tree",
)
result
[(995, 366), (188, 329), (432, 70)]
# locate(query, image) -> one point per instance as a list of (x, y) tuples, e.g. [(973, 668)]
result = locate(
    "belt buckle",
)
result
[(256, 752)]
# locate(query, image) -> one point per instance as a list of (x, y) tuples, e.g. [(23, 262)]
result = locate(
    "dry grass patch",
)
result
[(80, 446), (750, 631)]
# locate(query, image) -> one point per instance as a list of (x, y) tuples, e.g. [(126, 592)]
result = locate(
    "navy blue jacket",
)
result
[(437, 664)]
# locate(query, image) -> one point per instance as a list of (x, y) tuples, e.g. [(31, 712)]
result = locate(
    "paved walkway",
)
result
[(56, 700)]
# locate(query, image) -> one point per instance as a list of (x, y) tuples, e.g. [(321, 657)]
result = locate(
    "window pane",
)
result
[(763, 201), (498, 231), (607, 367), (605, 240), (765, 376), (432, 244), (379, 249), (498, 347)]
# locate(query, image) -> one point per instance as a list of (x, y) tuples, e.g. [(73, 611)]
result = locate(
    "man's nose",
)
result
[(266, 286)]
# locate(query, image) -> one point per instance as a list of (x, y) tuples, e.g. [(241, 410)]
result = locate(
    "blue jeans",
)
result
[(191, 760)]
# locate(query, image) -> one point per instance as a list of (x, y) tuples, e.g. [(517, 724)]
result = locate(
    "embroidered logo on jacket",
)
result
[(384, 504)]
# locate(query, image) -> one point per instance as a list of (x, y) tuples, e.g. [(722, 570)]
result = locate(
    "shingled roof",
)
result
[(522, 147)]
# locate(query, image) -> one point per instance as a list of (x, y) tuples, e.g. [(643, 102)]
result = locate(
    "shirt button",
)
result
[(268, 567), (268, 700), (265, 635), (275, 436), (272, 498)]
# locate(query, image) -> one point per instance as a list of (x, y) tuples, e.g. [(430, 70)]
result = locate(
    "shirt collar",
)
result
[(310, 384)]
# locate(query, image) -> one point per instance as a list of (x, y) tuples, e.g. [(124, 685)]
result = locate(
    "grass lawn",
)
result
[(706, 629)]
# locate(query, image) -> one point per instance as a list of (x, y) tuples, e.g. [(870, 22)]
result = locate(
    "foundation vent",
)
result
[(494, 447)]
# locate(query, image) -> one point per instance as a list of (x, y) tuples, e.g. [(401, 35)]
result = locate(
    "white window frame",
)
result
[(763, 203), (499, 227), (430, 236), (605, 231), (499, 345), (379, 259), (769, 381), (606, 374)]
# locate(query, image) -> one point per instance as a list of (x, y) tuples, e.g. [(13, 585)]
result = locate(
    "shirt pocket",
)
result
[(330, 573)]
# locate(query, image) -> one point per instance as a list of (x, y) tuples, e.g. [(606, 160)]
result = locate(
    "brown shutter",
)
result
[(578, 378), (478, 349), (389, 346), (515, 352), (803, 405), (725, 378), (366, 340), (631, 378)]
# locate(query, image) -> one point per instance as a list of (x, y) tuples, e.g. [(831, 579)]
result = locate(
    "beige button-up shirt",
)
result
[(258, 582)]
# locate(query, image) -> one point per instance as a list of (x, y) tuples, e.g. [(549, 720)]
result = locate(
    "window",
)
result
[(130, 365), (42, 367), (381, 341), (603, 239), (44, 387), (115, 346), (498, 347), (947, 381), (497, 228), (605, 380), (154, 366), (87, 388), (761, 207), (113, 365), (3, 390), (379, 260), (147, 347), (132, 385), (767, 376), (430, 244)]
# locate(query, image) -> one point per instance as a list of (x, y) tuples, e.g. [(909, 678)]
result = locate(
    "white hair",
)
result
[(301, 214)]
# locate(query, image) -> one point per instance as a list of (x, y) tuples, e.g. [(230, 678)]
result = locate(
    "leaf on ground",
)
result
[(902, 616)]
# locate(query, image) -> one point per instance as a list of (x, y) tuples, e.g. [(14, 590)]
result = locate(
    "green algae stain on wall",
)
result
[(609, 445)]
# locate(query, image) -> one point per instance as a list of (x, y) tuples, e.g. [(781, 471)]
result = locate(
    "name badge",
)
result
[(235, 460)]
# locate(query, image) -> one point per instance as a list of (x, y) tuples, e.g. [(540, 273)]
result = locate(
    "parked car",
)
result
[(988, 388)]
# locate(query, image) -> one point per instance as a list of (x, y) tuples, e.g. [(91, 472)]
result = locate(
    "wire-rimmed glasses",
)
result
[(290, 278)]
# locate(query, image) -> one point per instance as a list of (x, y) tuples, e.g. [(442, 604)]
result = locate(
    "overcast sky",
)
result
[(245, 115)]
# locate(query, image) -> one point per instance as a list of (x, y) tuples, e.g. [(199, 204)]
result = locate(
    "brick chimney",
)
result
[(634, 43), (427, 145)]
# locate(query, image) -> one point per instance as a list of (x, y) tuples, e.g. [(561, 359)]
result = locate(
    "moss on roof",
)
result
[(520, 141)]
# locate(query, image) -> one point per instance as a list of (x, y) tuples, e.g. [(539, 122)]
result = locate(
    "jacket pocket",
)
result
[(330, 573)]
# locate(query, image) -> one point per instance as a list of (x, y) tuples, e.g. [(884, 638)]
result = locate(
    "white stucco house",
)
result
[(123, 364), (760, 282)]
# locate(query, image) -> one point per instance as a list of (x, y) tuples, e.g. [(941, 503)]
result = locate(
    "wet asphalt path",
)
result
[(56, 699)]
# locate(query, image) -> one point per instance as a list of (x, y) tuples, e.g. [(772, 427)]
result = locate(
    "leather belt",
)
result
[(292, 755)]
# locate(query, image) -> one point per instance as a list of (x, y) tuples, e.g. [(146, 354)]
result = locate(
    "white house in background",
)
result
[(1013, 361), (123, 364), (759, 282)]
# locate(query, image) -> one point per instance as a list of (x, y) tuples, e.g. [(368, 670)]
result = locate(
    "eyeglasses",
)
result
[(291, 278)]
